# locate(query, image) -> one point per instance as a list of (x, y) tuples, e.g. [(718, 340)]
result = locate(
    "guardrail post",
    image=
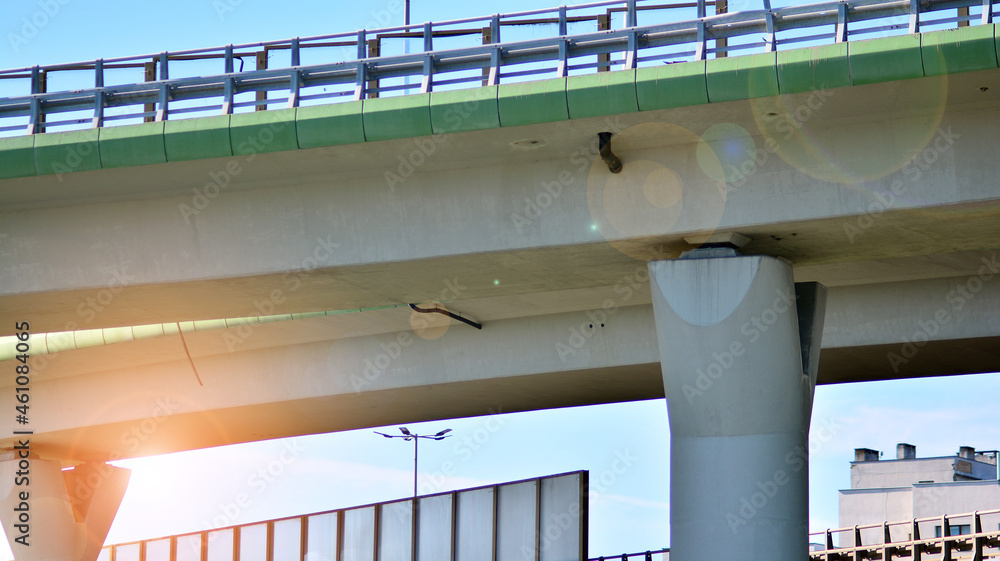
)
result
[(100, 96), (99, 73), (149, 75), (888, 551), (227, 95), (161, 113), (36, 120), (699, 49), (361, 43), (374, 51), (562, 20), (427, 82), (631, 19), (829, 546), (604, 24), (295, 83), (36, 80), (945, 530), (771, 39), (495, 28), (495, 61), (979, 541), (261, 65), (229, 59), (917, 551), (164, 69), (632, 53), (987, 12), (487, 39), (561, 70), (362, 76), (914, 16), (841, 31), (98, 120), (722, 43), (296, 52), (701, 9)]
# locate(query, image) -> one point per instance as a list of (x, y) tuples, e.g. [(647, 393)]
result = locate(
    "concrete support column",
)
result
[(51, 514), (739, 360)]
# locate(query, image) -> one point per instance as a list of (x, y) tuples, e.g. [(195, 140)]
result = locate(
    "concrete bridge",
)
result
[(840, 197)]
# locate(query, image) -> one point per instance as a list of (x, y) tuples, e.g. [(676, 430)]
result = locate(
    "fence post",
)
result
[(149, 75), (374, 51), (604, 24), (261, 65), (722, 43)]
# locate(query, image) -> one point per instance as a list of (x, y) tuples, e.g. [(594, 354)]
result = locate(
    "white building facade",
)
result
[(909, 487)]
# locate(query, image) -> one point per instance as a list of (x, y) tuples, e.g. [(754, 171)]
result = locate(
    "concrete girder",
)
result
[(338, 372), (334, 235)]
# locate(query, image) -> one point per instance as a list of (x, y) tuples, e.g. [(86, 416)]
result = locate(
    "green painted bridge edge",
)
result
[(608, 93)]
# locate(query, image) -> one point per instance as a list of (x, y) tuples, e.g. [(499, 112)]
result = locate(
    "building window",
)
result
[(955, 530)]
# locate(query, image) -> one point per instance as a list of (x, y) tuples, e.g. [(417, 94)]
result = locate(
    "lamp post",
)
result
[(407, 435)]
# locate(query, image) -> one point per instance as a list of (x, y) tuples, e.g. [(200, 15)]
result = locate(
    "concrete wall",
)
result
[(873, 506), (900, 473)]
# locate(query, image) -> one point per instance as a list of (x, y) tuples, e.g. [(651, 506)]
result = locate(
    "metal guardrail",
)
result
[(656, 555), (976, 544), (369, 75)]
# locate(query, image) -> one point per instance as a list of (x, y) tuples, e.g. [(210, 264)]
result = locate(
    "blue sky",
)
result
[(194, 490)]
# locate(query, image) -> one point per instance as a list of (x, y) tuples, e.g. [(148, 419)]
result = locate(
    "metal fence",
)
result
[(658, 555), (543, 519), (505, 48), (944, 538)]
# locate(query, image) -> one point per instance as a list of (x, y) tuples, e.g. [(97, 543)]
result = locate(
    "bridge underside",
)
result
[(886, 193)]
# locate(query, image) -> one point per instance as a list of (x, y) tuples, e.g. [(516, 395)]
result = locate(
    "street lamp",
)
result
[(407, 435)]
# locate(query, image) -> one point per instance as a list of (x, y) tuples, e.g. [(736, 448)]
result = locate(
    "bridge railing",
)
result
[(974, 535), (367, 71)]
